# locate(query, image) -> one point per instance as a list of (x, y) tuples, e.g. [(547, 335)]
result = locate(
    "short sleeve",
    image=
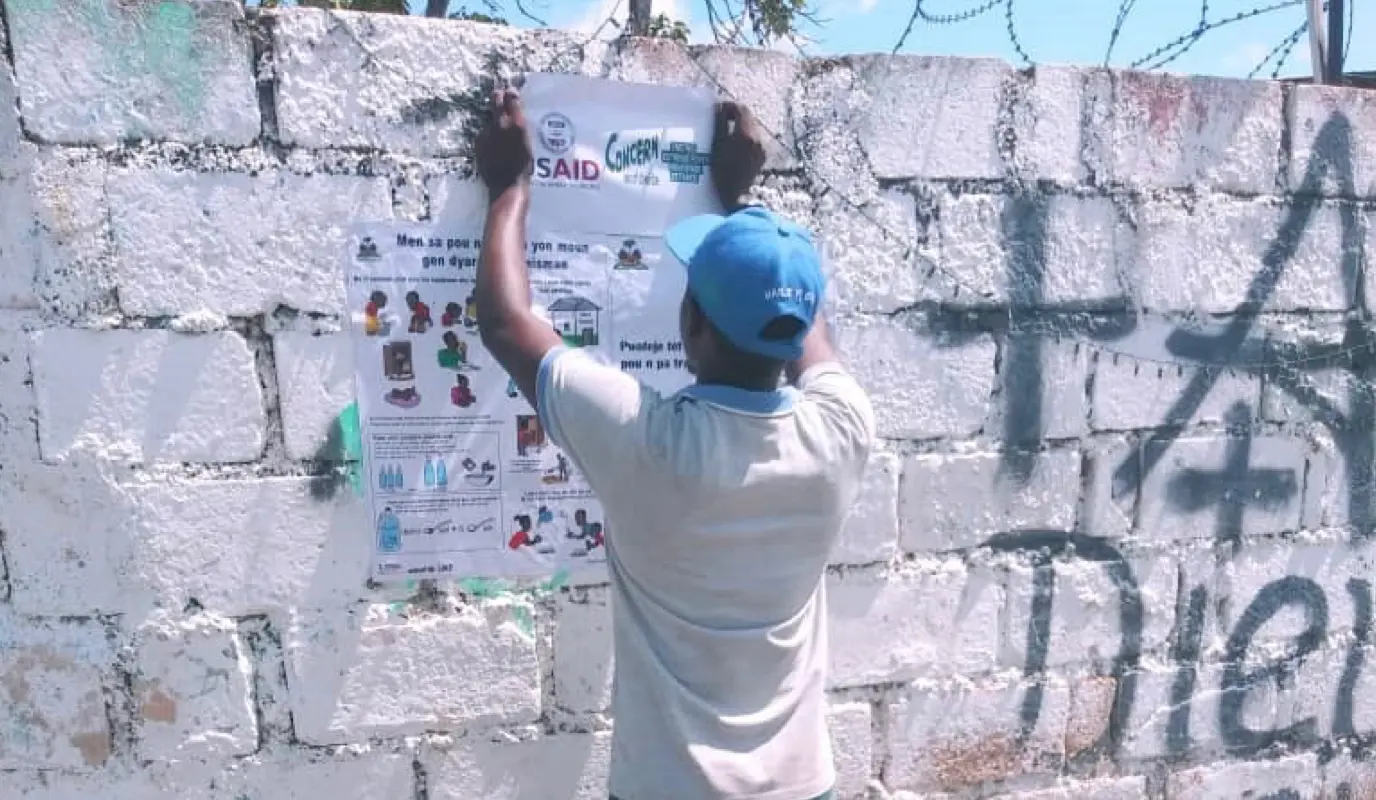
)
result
[(588, 409), (843, 404)]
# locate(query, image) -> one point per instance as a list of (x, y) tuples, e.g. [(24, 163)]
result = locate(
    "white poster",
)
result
[(463, 482)]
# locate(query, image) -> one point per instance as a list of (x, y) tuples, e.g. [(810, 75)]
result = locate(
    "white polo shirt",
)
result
[(722, 506)]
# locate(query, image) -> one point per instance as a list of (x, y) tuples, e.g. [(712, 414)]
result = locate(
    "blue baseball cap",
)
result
[(746, 270)]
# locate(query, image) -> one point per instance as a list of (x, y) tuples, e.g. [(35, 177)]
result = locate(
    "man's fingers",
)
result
[(515, 108)]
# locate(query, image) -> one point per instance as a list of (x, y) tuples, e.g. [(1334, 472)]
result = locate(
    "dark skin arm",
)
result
[(738, 155), (510, 330)]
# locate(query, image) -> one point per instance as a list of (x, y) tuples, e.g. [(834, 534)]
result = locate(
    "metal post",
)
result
[(1335, 54), (638, 18), (1316, 31)]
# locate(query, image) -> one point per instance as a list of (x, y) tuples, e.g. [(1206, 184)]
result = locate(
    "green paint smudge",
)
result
[(484, 587), (556, 581), (350, 433), (170, 51), (524, 620)]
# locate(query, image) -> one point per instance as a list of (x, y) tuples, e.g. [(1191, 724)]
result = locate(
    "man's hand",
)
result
[(502, 150), (737, 152)]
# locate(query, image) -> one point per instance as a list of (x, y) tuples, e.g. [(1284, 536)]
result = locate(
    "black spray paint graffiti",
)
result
[(1230, 490), (1240, 679), (1234, 487)]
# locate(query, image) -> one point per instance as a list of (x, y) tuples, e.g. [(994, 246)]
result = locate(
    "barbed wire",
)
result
[(1327, 356), (1331, 356), (1281, 52), (1154, 59)]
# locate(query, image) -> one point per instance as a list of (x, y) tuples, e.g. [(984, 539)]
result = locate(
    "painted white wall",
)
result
[(184, 611)]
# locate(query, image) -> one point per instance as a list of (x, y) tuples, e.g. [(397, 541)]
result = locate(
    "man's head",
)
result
[(580, 517), (755, 283)]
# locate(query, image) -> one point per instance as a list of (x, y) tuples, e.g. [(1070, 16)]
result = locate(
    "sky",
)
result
[(1052, 31)]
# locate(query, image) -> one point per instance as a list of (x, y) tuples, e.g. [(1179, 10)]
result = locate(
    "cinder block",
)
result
[(1088, 603), (1213, 259), (210, 541), (1289, 584), (1317, 695), (1139, 384), (1296, 777), (1107, 789), (18, 236), (950, 739), (1175, 131), (852, 746), (870, 530), (393, 676), (1197, 485), (147, 396), (1030, 250), (151, 782), (191, 690), (583, 651), (1348, 777), (12, 150), (1091, 711), (74, 278), (1049, 136), (823, 105), (52, 708), (940, 620), (1326, 141), (1336, 488), (762, 78), (398, 83), (299, 776), (920, 388), (106, 72), (953, 502), (572, 766), (1155, 729), (66, 538), (1105, 512), (243, 245), (18, 411), (315, 380), (930, 117), (870, 250), (1042, 389)]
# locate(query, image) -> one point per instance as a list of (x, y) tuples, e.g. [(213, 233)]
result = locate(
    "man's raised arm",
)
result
[(510, 330)]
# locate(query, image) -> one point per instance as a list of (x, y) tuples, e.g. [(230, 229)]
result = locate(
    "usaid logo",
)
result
[(556, 132)]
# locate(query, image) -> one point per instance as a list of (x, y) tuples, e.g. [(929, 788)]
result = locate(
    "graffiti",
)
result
[(1235, 486), (1251, 664)]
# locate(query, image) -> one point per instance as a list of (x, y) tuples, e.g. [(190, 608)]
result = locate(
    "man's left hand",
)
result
[(502, 150)]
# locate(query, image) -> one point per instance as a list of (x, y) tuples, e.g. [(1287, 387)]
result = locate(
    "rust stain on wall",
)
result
[(157, 706), (94, 746)]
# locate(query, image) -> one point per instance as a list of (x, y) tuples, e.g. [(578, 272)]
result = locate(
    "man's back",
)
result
[(722, 506)]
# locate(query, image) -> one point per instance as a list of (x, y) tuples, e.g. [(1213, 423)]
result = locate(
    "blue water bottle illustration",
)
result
[(388, 532), (398, 478), (429, 472), (441, 471), (384, 477)]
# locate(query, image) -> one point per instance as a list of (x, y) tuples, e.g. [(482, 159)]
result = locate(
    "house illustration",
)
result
[(576, 320)]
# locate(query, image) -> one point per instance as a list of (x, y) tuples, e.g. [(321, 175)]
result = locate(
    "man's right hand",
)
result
[(737, 152)]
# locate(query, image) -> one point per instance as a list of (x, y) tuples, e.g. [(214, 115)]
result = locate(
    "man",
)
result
[(722, 501)]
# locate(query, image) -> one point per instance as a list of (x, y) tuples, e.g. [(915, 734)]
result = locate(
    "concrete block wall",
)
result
[(1116, 543)]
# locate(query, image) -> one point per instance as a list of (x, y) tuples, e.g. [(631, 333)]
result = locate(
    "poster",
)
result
[(462, 480)]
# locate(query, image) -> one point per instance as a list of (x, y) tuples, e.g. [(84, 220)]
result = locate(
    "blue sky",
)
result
[(1052, 31)]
